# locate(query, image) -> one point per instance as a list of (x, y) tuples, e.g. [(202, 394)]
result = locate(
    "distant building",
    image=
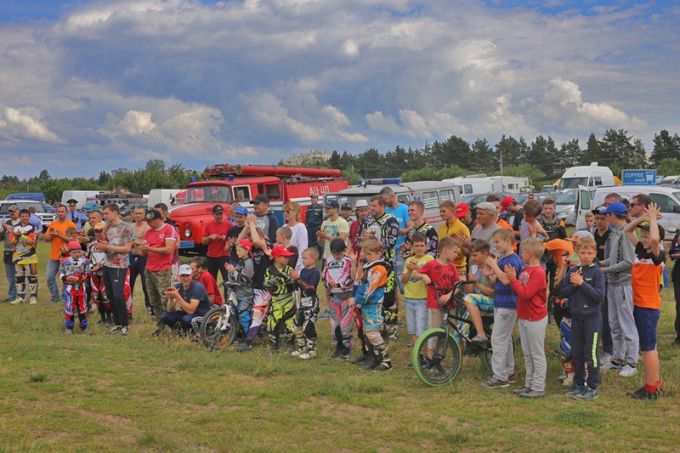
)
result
[(310, 158), (119, 170)]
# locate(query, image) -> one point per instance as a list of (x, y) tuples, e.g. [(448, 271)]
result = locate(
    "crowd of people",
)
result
[(600, 287)]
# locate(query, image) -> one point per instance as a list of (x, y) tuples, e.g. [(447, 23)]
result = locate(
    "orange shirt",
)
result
[(503, 224), (645, 278), (58, 226)]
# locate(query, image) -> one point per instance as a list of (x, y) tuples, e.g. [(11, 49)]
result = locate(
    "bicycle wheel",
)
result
[(209, 325), (225, 335), (445, 361)]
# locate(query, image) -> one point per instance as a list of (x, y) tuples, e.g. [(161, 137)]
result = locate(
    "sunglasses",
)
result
[(98, 231), (635, 204)]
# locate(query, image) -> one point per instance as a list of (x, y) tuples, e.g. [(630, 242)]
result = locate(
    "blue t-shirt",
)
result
[(196, 290), (503, 296), (401, 214)]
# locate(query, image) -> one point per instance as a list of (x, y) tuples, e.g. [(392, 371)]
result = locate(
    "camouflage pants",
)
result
[(156, 284)]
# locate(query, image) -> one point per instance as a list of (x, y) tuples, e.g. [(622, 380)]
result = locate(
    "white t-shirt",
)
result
[(299, 239), (333, 229)]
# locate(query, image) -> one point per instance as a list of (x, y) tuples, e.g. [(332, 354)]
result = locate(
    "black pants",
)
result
[(675, 276), (137, 267), (114, 281), (607, 344), (584, 335), (217, 264)]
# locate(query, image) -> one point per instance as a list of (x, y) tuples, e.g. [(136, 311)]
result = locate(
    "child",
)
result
[(305, 318), (646, 298), (584, 287), (242, 273), (617, 265), (415, 291), (590, 222), (505, 310), (25, 259), (283, 237), (279, 279), (74, 271), (440, 275), (530, 227), (532, 313), (337, 277), (479, 297), (97, 288), (369, 297)]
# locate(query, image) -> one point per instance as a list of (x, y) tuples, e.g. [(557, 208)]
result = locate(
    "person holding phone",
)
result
[(190, 298)]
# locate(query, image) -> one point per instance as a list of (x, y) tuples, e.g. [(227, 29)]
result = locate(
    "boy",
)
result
[(505, 310), (97, 289), (283, 237), (584, 287), (415, 291), (532, 313), (369, 297), (646, 298), (590, 222), (479, 297), (279, 279), (74, 271), (305, 318), (242, 273), (617, 265), (530, 227), (337, 277), (200, 273), (24, 237)]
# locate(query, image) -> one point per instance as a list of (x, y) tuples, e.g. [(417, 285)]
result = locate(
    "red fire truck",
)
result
[(228, 183)]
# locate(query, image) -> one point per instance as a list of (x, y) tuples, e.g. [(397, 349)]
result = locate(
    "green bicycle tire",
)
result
[(453, 356)]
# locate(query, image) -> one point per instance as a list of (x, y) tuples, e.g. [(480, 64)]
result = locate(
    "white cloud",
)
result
[(335, 115), (381, 123), (26, 123), (136, 123)]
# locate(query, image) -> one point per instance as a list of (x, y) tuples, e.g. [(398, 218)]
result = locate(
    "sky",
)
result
[(87, 86)]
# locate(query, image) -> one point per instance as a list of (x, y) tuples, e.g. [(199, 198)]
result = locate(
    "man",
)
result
[(35, 220), (137, 256), (554, 228), (333, 227), (200, 274), (215, 237), (265, 220), (313, 220), (452, 227), (611, 198), (240, 215), (356, 228), (346, 212), (56, 235), (513, 213), (601, 234), (159, 247), (94, 217), (75, 216), (191, 299), (163, 209), (416, 209), (638, 208), (464, 214), (5, 233), (487, 224), (117, 248), (501, 220), (400, 212)]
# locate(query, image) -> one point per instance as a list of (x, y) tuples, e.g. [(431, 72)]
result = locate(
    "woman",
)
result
[(291, 214)]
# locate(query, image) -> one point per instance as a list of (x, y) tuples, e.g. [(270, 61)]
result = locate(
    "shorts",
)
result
[(484, 303), (416, 315), (435, 318), (646, 321), (372, 316)]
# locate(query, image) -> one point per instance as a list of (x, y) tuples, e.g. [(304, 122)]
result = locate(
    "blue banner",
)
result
[(638, 177)]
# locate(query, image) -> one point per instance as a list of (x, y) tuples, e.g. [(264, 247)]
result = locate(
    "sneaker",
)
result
[(587, 394), (643, 394), (532, 394), (612, 365), (494, 383), (568, 380), (606, 358), (124, 330), (576, 390), (243, 347), (115, 329), (16, 301), (512, 379), (362, 359), (369, 364), (628, 371), (480, 340), (308, 355), (520, 390), (297, 353), (384, 366), (68, 332), (33, 300)]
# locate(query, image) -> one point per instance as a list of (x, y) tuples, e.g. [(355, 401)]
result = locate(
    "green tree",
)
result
[(44, 175), (453, 150), (509, 152), (593, 151), (666, 146), (535, 175), (668, 167), (484, 159), (569, 155)]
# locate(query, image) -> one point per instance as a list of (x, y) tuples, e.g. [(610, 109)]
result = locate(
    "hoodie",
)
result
[(584, 300), (619, 255)]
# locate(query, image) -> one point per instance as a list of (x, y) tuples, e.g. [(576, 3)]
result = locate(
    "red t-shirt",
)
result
[(210, 286), (156, 238), (444, 276), (531, 291), (216, 247)]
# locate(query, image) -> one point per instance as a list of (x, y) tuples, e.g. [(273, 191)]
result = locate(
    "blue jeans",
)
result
[(10, 273), (416, 315), (51, 274)]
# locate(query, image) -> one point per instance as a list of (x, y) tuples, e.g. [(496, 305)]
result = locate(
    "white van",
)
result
[(81, 196), (431, 193), (477, 184), (588, 176), (668, 199), (166, 196)]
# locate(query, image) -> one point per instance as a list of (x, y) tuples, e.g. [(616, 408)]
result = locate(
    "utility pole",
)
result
[(500, 150)]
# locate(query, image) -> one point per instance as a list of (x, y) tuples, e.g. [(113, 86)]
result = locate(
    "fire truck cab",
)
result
[(228, 184)]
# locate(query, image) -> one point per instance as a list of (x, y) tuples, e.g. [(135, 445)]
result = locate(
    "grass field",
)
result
[(137, 393)]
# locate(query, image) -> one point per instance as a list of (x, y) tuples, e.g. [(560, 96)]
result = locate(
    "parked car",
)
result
[(565, 206), (42, 210)]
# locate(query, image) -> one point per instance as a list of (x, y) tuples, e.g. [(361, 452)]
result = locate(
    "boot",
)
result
[(383, 361)]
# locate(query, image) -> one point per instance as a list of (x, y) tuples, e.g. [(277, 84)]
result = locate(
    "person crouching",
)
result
[(191, 299)]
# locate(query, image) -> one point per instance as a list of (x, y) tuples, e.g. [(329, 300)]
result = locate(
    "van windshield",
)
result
[(213, 194), (572, 183), (565, 197)]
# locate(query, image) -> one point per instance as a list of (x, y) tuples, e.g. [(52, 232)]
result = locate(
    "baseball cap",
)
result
[(617, 208), (12, 207), (487, 206), (361, 204), (74, 245), (217, 209), (153, 214), (599, 210), (346, 207), (184, 269), (242, 210), (314, 196), (246, 244), (331, 204), (281, 250), (507, 201), (100, 226), (262, 198), (462, 210), (72, 201)]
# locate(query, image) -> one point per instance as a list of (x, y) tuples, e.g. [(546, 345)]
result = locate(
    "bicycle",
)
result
[(221, 325), (437, 354)]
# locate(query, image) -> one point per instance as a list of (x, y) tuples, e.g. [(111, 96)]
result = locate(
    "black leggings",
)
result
[(215, 264), (137, 267), (114, 280)]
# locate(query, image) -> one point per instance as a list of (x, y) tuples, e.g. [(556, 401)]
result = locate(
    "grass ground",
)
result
[(137, 393)]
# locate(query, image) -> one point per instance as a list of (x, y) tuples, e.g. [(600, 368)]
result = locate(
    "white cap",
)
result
[(361, 204), (487, 206), (185, 269)]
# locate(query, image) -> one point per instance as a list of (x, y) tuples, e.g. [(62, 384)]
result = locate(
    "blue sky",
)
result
[(114, 83)]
